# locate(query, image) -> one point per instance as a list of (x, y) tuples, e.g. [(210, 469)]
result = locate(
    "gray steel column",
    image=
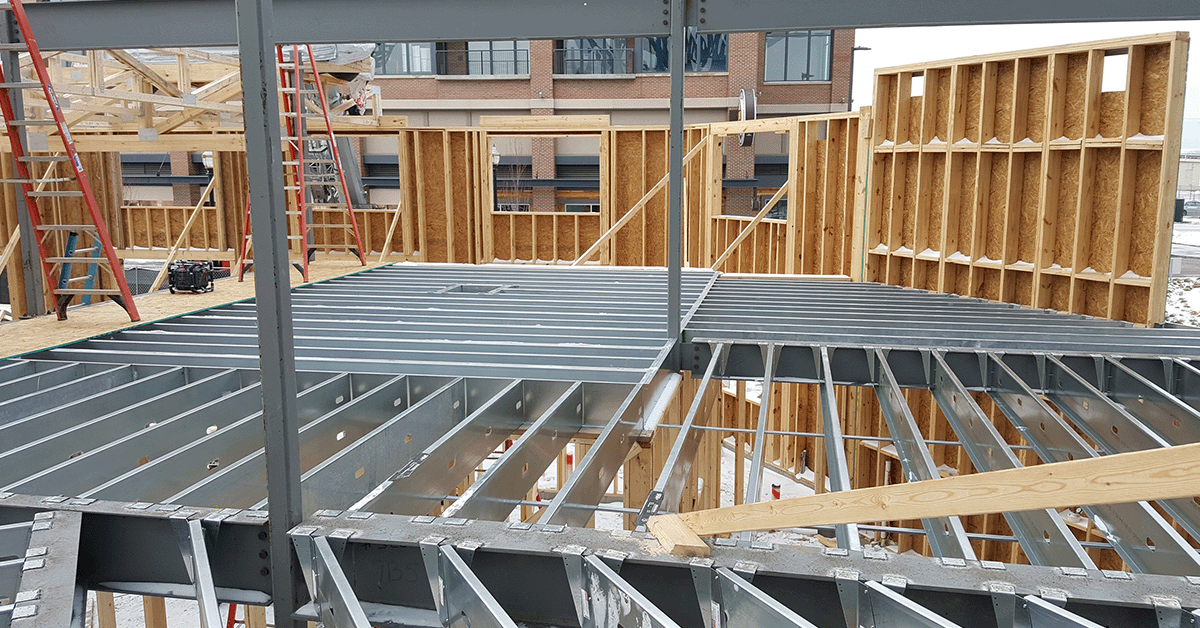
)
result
[(30, 260), (256, 46), (675, 182)]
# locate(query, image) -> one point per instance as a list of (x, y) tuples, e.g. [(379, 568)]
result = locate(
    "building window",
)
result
[(592, 56), (705, 53), (483, 58), (798, 56), (393, 59)]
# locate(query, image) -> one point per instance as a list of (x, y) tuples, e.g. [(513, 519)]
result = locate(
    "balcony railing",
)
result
[(593, 61), (483, 62)]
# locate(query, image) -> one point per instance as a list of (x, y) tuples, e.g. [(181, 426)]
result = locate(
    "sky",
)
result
[(898, 46)]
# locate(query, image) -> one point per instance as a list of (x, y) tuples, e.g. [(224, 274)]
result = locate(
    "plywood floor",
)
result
[(21, 337)]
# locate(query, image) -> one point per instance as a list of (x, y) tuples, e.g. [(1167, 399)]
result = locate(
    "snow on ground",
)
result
[(787, 488), (1183, 300)]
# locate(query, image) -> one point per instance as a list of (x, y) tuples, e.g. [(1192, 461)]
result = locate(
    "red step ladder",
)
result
[(318, 181), (97, 251)]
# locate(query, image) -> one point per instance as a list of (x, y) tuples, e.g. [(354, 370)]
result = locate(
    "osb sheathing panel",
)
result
[(824, 175), (1048, 175), (657, 166), (439, 205)]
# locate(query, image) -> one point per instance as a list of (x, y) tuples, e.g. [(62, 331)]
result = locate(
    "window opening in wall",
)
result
[(798, 56), (1116, 72), (918, 85), (546, 175)]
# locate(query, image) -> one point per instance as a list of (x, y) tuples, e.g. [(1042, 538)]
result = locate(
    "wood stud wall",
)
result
[(818, 236), (1017, 178)]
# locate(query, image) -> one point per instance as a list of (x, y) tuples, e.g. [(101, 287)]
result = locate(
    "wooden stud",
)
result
[(1173, 124), (419, 201), (106, 610), (448, 193), (256, 616), (155, 611)]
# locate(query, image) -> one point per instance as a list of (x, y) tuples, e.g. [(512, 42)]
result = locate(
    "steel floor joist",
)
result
[(412, 376)]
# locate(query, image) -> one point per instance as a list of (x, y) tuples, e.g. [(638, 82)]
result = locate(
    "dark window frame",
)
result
[(791, 38)]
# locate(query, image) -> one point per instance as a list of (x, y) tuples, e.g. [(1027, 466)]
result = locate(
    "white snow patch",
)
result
[(958, 256), (1183, 301)]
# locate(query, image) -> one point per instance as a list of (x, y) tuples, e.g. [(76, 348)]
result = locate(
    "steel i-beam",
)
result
[(603, 599), (194, 548), (1041, 533), (38, 586), (330, 590), (727, 600), (497, 492), (946, 535), (1124, 525), (460, 597)]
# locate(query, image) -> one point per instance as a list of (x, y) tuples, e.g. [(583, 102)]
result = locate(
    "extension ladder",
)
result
[(96, 254), (312, 169)]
